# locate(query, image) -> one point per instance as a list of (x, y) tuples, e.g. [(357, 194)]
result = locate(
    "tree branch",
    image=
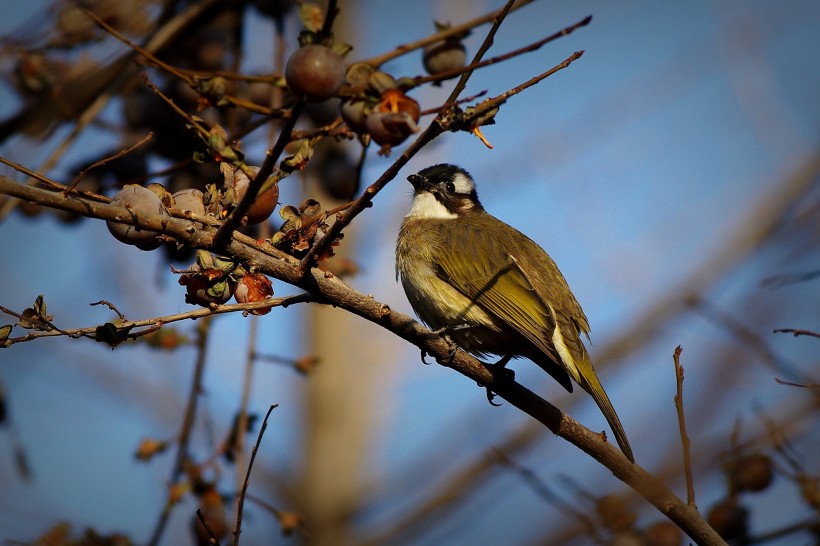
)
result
[(333, 291)]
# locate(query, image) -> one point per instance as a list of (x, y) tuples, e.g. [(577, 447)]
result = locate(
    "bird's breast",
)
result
[(435, 301)]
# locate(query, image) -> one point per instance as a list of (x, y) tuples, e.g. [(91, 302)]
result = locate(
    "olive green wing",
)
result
[(484, 268)]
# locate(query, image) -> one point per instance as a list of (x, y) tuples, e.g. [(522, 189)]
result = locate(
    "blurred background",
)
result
[(671, 172)]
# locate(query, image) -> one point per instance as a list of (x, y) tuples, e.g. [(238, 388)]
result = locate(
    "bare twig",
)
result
[(112, 307), (365, 200), (541, 489), (265, 170), (684, 438), (803, 385), (242, 422), (106, 160), (153, 323), (35, 175), (418, 80), (796, 332), (485, 45), (439, 36), (238, 528)]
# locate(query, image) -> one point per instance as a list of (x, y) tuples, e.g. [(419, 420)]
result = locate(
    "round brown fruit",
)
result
[(441, 57), (753, 472), (729, 519), (265, 203), (142, 202), (190, 199), (315, 72)]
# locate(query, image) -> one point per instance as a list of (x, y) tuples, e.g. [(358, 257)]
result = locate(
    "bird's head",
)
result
[(443, 191)]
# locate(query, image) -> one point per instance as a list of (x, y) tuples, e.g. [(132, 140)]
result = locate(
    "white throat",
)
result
[(425, 205)]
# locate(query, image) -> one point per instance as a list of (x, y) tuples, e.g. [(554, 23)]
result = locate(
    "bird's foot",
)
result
[(452, 346), (500, 374), (450, 329)]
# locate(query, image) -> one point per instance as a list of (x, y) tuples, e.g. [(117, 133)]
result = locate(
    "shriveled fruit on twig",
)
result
[(142, 202)]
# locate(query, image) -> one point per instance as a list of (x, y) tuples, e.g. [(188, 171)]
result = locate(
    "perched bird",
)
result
[(491, 288)]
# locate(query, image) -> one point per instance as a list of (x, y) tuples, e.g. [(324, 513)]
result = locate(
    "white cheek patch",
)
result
[(425, 205), (463, 184)]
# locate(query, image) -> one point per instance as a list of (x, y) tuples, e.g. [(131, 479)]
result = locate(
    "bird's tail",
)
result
[(590, 383)]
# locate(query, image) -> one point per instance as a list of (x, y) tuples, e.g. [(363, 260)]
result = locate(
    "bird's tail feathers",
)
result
[(590, 383)]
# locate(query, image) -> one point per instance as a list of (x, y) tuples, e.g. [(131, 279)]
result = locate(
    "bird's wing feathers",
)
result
[(489, 276)]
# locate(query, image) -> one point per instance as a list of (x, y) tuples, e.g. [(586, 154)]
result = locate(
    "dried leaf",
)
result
[(312, 16), (112, 334), (5, 332)]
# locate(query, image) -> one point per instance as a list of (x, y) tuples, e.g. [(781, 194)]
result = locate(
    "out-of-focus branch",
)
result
[(439, 36), (203, 332), (759, 225), (94, 90)]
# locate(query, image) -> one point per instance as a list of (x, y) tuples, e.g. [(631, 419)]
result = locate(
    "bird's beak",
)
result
[(419, 182)]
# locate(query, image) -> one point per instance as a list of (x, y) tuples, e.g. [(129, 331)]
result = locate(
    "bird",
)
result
[(491, 289)]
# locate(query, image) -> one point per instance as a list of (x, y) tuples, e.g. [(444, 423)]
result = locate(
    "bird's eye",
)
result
[(451, 188)]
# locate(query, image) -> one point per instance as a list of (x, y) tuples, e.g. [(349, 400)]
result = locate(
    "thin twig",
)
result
[(684, 439), (234, 220), (439, 36), (330, 16), (112, 307), (802, 385), (247, 482), (365, 200), (154, 323), (796, 332), (242, 421), (419, 80), (106, 160), (485, 45)]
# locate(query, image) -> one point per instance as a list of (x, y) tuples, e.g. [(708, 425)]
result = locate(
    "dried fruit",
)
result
[(315, 72), (142, 202), (237, 181), (393, 119), (251, 288), (354, 112), (752, 472), (440, 57), (211, 280), (729, 519), (189, 200)]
